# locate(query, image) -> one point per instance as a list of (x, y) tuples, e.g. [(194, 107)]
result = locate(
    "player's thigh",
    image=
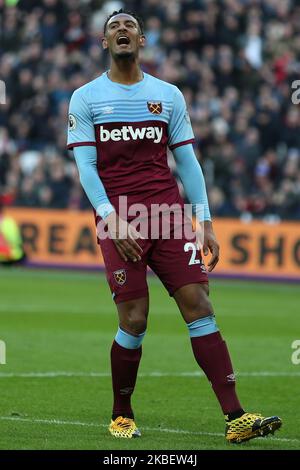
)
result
[(126, 279), (178, 263)]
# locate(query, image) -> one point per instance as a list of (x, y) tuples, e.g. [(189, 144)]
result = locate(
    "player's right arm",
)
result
[(81, 138)]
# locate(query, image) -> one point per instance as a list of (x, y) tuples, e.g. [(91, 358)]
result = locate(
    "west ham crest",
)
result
[(155, 107), (120, 276)]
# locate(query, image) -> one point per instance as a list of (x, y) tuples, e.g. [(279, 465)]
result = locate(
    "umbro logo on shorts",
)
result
[(131, 133), (202, 267), (120, 276)]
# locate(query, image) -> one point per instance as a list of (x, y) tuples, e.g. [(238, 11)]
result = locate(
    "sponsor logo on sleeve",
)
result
[(72, 122)]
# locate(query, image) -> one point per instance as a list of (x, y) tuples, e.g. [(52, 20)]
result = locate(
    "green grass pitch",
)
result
[(56, 388)]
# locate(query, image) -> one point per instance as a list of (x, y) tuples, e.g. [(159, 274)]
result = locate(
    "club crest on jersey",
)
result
[(155, 107), (120, 276), (72, 122)]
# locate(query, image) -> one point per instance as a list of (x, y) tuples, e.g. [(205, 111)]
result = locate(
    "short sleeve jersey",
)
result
[(131, 127)]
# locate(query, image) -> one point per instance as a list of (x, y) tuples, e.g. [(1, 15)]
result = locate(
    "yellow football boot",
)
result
[(124, 428), (249, 426)]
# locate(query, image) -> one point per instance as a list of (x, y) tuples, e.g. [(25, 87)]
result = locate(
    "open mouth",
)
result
[(123, 40)]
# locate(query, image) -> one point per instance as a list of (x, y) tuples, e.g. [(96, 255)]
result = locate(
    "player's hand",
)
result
[(124, 237), (210, 245)]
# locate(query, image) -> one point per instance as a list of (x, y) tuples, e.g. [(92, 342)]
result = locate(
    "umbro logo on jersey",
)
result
[(129, 133), (155, 107), (107, 110)]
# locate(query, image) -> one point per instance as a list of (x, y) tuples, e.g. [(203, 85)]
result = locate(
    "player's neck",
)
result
[(125, 73)]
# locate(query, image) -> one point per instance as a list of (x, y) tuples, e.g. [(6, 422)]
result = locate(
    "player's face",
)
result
[(123, 37)]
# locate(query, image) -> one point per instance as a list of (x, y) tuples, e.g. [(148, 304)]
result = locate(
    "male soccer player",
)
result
[(120, 126)]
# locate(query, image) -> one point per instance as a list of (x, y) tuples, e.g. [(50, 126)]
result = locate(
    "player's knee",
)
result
[(133, 316), (135, 325), (134, 322), (197, 304), (200, 310), (205, 307)]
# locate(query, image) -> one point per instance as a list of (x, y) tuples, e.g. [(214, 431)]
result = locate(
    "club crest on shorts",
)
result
[(155, 107), (120, 276)]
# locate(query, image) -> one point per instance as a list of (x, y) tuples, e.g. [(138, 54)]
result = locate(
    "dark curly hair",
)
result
[(126, 12)]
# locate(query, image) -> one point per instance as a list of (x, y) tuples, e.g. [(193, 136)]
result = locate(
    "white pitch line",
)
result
[(100, 425), (54, 374)]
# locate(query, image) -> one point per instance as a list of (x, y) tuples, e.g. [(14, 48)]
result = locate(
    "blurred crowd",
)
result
[(234, 60)]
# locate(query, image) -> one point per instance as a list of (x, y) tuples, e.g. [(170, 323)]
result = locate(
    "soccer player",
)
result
[(120, 126)]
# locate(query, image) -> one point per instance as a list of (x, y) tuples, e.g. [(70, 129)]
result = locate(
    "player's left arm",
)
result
[(181, 137), (191, 176)]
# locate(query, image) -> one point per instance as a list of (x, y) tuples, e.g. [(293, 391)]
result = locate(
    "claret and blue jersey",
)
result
[(131, 127)]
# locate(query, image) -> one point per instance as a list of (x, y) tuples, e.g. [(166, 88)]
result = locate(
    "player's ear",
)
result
[(142, 40), (104, 43)]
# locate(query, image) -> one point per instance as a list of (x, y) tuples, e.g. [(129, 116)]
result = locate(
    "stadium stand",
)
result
[(234, 60)]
